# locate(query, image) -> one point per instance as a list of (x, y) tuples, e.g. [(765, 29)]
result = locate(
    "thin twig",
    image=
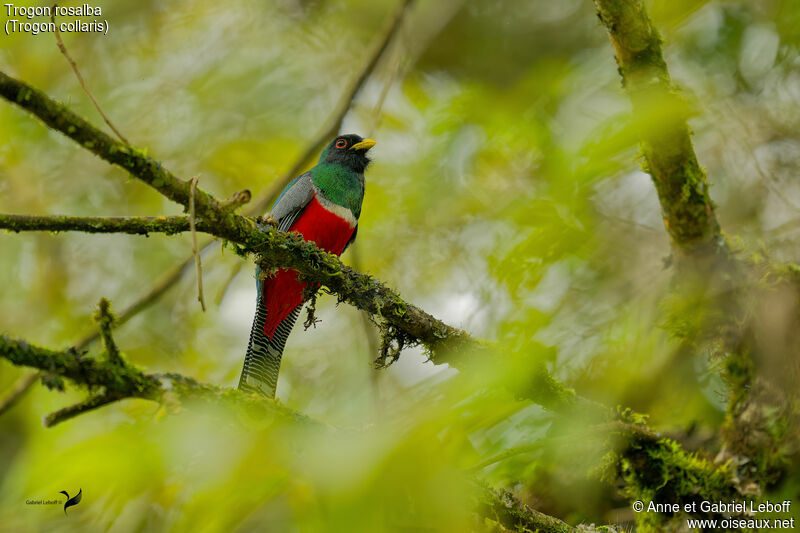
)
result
[(19, 389), (167, 281), (223, 291), (505, 454), (105, 321), (237, 200), (74, 66), (394, 73), (334, 122), (92, 402), (197, 264)]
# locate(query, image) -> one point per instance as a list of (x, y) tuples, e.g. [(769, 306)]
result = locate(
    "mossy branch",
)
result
[(278, 249), (120, 380), (758, 410), (132, 225), (655, 468), (661, 114), (93, 402), (500, 507), (105, 320)]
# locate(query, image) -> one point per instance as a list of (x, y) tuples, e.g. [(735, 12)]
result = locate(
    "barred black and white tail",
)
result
[(263, 359)]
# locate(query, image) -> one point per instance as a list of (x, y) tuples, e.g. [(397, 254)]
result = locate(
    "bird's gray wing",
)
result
[(292, 201)]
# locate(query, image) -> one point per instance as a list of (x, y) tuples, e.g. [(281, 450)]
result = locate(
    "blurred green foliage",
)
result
[(506, 197)]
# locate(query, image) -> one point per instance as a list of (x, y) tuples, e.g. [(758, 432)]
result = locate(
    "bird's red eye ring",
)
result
[(341, 143)]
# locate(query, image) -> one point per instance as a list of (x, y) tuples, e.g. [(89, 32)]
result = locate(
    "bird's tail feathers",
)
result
[(263, 360)]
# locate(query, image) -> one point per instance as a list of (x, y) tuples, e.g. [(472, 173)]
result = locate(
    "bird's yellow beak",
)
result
[(365, 145)]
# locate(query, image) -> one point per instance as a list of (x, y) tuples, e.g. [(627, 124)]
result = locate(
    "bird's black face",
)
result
[(349, 151)]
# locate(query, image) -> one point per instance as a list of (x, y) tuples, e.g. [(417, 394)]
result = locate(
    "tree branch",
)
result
[(93, 402), (132, 225), (284, 250), (19, 389), (105, 320), (143, 167), (503, 508), (119, 381), (62, 47), (759, 413), (661, 115)]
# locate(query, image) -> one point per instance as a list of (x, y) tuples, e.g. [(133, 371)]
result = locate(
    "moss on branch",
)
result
[(501, 509), (117, 380), (93, 402), (278, 249), (125, 380), (132, 225), (657, 469), (718, 291), (661, 114)]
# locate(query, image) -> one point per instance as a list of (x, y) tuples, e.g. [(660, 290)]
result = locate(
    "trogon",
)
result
[(323, 205)]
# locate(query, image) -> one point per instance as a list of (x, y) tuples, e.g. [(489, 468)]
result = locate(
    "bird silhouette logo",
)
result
[(75, 500)]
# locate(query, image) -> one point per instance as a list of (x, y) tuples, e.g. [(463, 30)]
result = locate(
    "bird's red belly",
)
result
[(328, 230), (282, 292)]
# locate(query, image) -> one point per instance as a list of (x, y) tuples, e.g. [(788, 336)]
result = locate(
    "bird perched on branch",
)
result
[(323, 205)]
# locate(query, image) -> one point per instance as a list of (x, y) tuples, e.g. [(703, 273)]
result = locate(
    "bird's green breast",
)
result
[(339, 185)]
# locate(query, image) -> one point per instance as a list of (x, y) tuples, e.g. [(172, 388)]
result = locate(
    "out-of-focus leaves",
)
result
[(506, 196)]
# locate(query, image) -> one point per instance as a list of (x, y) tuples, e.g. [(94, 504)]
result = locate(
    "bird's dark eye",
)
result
[(341, 143)]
